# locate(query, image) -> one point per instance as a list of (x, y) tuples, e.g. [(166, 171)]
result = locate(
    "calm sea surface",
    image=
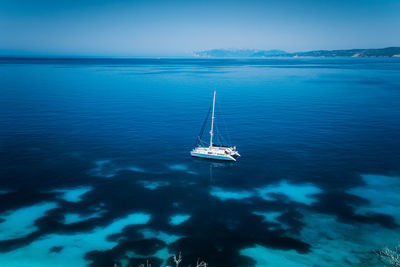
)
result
[(95, 166)]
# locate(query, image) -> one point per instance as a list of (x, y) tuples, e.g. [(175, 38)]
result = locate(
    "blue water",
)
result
[(95, 166)]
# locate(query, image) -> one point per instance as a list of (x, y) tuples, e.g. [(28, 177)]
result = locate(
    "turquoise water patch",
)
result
[(271, 216), (270, 257), (178, 167), (19, 223), (223, 194), (107, 169), (167, 238), (182, 168), (74, 246), (104, 168), (347, 244), (178, 219), (153, 185), (133, 168), (341, 247), (73, 194), (164, 255), (75, 217), (137, 218), (383, 194), (301, 193)]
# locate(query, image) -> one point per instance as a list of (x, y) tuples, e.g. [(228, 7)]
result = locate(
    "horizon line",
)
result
[(34, 55)]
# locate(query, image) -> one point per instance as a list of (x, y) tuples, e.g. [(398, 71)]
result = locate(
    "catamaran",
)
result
[(213, 151)]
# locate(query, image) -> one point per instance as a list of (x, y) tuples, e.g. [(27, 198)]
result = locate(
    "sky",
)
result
[(180, 27)]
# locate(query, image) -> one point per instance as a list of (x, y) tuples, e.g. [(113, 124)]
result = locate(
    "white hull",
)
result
[(215, 152)]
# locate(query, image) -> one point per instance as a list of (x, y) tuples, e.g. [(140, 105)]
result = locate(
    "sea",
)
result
[(95, 165)]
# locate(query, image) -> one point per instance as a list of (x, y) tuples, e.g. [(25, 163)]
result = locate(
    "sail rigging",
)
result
[(203, 127), (218, 134)]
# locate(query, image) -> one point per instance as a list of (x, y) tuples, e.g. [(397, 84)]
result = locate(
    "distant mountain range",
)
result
[(379, 52)]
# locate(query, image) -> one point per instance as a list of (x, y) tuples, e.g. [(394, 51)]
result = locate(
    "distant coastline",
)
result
[(253, 53), (388, 52)]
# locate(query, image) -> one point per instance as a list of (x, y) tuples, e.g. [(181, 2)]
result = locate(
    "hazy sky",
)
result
[(179, 27)]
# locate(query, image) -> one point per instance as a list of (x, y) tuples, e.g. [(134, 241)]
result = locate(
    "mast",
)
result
[(212, 122)]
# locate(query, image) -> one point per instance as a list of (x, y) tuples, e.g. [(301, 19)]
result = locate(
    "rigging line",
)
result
[(219, 135), (203, 126), (225, 128), (224, 132)]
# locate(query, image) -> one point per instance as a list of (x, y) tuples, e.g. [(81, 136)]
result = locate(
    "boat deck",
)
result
[(214, 152)]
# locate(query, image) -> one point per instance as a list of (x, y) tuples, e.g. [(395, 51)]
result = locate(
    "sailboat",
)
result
[(217, 152)]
